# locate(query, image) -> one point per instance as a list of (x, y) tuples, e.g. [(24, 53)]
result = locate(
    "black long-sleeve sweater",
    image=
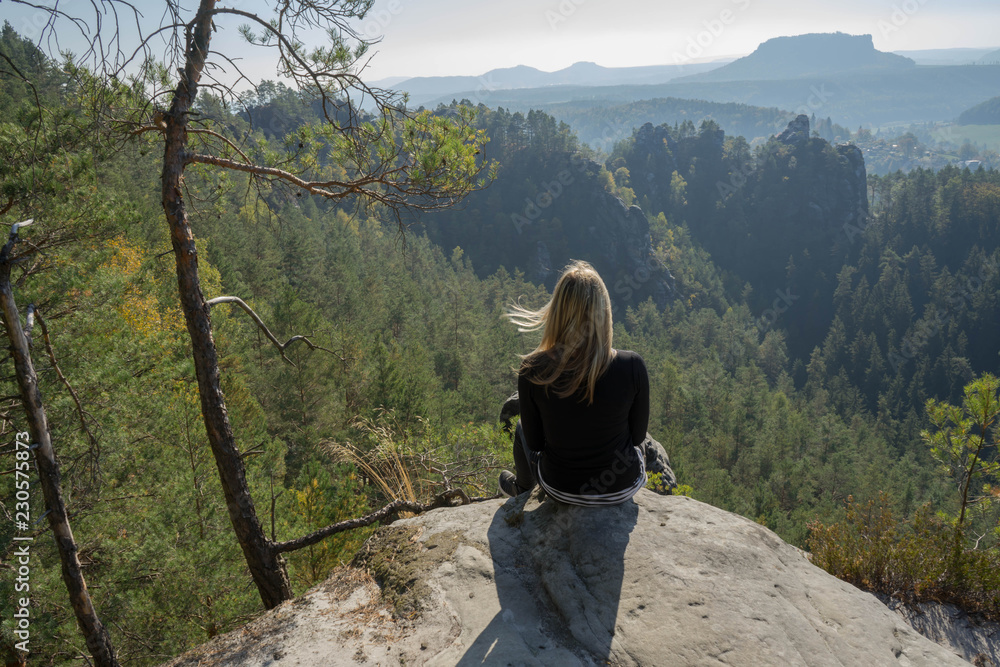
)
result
[(589, 449)]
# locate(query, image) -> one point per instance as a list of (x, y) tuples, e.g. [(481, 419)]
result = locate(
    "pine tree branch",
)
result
[(158, 126), (81, 413), (49, 476), (396, 195), (314, 187)]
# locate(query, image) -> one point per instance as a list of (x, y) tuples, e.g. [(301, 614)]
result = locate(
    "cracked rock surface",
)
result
[(660, 580)]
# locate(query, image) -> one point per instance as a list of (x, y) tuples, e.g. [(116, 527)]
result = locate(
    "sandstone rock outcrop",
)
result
[(661, 580), (614, 238), (853, 187), (976, 640), (796, 132), (828, 197), (654, 148)]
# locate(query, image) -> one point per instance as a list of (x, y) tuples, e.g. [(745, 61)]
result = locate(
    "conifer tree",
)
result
[(395, 158)]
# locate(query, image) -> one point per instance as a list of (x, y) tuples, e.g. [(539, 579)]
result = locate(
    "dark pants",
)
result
[(525, 461)]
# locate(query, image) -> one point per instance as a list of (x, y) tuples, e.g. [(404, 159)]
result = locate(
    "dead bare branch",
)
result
[(267, 332), (386, 515)]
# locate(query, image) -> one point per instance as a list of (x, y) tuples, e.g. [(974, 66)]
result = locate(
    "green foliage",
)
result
[(655, 483), (537, 196), (932, 557), (324, 495), (161, 561), (916, 561), (738, 432), (684, 490), (964, 442), (779, 419), (148, 513), (445, 152), (915, 302)]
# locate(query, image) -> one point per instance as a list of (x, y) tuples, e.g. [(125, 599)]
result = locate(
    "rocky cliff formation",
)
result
[(661, 580), (546, 209), (617, 240), (832, 190), (797, 131), (653, 150)]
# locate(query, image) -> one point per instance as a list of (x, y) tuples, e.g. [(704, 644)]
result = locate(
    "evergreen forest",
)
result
[(821, 342)]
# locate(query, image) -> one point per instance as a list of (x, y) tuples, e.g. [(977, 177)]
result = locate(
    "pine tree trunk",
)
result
[(94, 632), (266, 566)]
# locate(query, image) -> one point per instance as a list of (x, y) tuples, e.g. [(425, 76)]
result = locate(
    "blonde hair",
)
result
[(576, 330)]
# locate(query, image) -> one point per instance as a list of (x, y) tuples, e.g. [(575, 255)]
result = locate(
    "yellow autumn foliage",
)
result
[(140, 306)]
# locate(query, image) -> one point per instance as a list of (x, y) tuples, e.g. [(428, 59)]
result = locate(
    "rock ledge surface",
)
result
[(661, 580)]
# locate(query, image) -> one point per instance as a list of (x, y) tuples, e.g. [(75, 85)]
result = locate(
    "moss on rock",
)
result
[(399, 562)]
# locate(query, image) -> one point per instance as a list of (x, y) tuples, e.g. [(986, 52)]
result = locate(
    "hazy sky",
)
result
[(438, 37), (425, 37)]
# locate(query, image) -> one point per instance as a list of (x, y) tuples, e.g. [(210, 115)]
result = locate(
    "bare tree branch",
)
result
[(290, 55), (105, 51), (267, 332), (386, 515)]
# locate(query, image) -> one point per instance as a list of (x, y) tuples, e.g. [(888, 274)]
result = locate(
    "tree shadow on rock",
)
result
[(558, 572)]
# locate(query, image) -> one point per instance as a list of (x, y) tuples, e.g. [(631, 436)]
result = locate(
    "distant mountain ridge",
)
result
[(423, 89), (991, 58), (881, 97), (833, 75), (804, 56), (953, 56)]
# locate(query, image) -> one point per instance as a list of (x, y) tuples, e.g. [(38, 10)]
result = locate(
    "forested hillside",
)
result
[(413, 355), (906, 288), (794, 316), (814, 311), (986, 113), (551, 203), (602, 124)]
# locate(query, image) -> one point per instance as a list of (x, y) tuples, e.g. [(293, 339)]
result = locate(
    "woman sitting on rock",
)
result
[(584, 405)]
